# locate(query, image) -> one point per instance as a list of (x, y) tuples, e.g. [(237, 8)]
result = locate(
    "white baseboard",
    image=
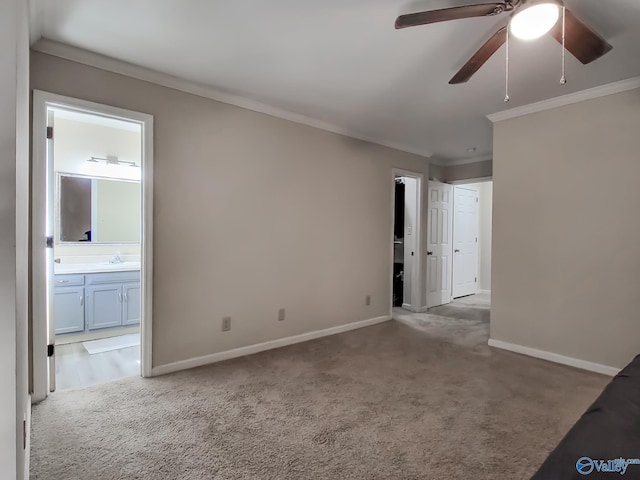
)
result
[(554, 357), (261, 347), (488, 292)]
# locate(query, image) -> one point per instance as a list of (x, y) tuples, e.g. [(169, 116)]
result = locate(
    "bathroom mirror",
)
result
[(97, 210)]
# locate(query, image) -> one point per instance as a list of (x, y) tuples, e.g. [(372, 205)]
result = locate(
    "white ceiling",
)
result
[(343, 63)]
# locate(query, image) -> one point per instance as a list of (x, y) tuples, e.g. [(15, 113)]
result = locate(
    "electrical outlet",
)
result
[(367, 300), (281, 315), (226, 324)]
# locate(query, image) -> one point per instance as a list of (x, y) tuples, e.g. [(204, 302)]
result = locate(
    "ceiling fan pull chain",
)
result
[(506, 87), (563, 79)]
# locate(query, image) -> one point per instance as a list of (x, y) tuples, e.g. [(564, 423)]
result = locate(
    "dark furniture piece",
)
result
[(608, 430)]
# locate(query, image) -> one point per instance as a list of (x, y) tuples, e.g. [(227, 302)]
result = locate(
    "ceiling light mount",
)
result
[(534, 18)]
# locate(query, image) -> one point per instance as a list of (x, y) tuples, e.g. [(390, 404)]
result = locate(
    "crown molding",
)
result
[(138, 72), (576, 97), (461, 161)]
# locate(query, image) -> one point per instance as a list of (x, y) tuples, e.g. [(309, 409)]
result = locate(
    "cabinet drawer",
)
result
[(68, 280), (113, 277)]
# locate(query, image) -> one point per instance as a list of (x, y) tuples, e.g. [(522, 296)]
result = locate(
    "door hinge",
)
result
[(49, 242), (49, 132), (24, 434), (475, 279), (476, 199), (51, 350)]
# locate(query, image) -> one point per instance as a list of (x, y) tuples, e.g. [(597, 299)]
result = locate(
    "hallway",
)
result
[(464, 321)]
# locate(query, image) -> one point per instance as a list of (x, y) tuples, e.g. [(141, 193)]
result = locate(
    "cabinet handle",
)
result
[(126, 298), (62, 281), (120, 297), (81, 300)]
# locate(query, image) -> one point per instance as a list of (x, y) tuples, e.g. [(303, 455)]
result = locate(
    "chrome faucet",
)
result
[(116, 258)]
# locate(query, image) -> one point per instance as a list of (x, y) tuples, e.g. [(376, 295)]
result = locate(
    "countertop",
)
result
[(63, 269)]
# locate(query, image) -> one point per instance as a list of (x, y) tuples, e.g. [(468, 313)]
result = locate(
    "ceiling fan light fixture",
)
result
[(533, 21)]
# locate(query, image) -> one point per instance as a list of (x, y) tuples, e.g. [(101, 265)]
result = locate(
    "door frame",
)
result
[(39, 303), (417, 270)]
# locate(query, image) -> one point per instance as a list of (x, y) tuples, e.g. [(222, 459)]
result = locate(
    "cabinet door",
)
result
[(68, 309), (104, 306), (131, 304)]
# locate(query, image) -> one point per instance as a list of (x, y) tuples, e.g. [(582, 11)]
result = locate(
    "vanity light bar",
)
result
[(112, 161)]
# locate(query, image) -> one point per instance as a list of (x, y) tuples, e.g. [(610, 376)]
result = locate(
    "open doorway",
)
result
[(407, 189), (91, 244), (459, 241), (472, 225), (458, 309)]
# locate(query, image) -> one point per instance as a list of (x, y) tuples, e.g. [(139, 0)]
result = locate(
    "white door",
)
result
[(439, 244), (465, 242)]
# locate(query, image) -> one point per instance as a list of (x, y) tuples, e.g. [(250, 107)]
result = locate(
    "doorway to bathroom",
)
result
[(92, 193)]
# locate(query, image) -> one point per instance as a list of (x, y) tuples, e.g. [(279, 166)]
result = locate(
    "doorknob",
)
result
[(429, 253), (456, 251)]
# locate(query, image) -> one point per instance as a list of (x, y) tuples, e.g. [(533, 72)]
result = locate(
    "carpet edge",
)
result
[(261, 347)]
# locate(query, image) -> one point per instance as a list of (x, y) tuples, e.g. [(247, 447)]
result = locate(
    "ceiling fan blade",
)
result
[(480, 57), (455, 13), (583, 43)]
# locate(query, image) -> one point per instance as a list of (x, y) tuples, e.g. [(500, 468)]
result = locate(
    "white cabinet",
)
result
[(69, 309), (131, 304), (95, 301), (104, 306)]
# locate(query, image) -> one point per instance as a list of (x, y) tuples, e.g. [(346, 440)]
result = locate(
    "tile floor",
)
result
[(76, 368)]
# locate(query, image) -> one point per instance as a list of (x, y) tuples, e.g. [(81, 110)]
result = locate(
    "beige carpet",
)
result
[(385, 402)]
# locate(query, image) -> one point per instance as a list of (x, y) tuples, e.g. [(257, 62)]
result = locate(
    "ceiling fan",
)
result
[(529, 19)]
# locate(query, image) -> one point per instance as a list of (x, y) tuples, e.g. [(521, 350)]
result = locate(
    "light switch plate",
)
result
[(226, 324)]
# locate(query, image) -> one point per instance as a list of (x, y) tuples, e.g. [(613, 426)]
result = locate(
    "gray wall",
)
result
[(486, 226), (459, 173), (436, 172), (14, 207), (566, 236), (456, 173), (252, 213)]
